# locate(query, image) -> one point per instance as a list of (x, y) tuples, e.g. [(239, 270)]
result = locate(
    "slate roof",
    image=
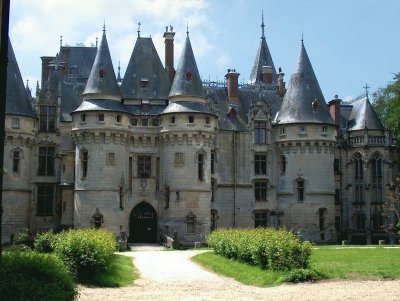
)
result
[(79, 62), (17, 100), (187, 80), (263, 58), (302, 91), (187, 107), (101, 105), (145, 64), (102, 80), (364, 116)]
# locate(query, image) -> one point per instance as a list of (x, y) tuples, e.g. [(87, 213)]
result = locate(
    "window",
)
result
[(212, 162), (16, 160), (84, 162), (190, 223), (172, 120), (302, 129), (336, 166), (324, 129), (282, 131), (337, 224), (191, 119), (121, 197), (212, 190), (133, 121), (260, 191), (110, 159), (15, 123), (359, 178), (337, 197), (146, 106), (207, 120), (166, 195), (45, 200), (145, 122), (47, 119), (377, 221), (260, 219), (282, 164), (179, 161), (144, 166), (118, 118), (100, 117), (214, 217), (200, 166), (376, 177), (260, 132), (97, 219), (260, 164), (144, 83), (322, 213), (300, 190), (360, 221), (83, 117), (155, 122), (46, 161)]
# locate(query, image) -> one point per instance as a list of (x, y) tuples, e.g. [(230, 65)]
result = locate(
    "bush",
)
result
[(45, 242), (265, 247), (85, 251), (33, 276), (303, 275)]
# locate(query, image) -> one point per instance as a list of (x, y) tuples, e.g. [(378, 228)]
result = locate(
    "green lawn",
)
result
[(343, 263), (121, 273)]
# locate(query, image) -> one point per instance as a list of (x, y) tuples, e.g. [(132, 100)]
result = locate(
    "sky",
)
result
[(350, 43)]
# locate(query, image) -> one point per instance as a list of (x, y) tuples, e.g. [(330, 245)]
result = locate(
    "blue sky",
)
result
[(349, 42)]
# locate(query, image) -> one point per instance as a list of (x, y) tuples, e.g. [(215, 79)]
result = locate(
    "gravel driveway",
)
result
[(170, 275)]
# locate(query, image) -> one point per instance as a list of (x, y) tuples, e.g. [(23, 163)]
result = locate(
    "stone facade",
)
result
[(151, 157)]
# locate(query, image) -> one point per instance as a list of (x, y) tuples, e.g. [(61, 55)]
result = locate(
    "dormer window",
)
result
[(191, 119), (100, 117), (144, 83), (145, 105)]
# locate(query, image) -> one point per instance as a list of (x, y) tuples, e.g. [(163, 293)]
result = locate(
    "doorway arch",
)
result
[(143, 224)]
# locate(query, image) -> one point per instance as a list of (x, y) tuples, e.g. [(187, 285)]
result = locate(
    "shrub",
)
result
[(265, 247), (85, 251), (33, 276), (303, 275), (45, 242)]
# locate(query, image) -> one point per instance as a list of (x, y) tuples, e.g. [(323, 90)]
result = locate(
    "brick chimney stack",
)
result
[(281, 83), (267, 74), (169, 52), (232, 85), (46, 60), (334, 109)]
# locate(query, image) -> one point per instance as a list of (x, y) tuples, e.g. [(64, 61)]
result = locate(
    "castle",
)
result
[(160, 151)]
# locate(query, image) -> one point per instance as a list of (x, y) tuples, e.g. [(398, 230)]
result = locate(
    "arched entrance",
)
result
[(143, 224)]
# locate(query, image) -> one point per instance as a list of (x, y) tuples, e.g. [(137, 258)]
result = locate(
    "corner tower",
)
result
[(188, 138), (305, 142)]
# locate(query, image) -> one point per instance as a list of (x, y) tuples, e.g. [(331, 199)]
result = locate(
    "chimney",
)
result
[(281, 83), (169, 52), (232, 85), (45, 67), (334, 109), (267, 74)]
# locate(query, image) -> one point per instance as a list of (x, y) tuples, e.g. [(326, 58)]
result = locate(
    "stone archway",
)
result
[(143, 224)]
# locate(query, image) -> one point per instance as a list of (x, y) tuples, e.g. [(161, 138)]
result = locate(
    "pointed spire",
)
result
[(364, 116), (187, 28), (102, 83), (37, 89), (262, 24), (303, 101), (119, 79), (302, 40), (187, 80), (17, 100)]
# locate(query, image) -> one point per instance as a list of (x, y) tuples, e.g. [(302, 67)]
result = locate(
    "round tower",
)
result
[(187, 141), (305, 142)]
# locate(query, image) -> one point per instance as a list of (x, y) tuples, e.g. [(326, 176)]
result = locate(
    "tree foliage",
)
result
[(392, 208), (387, 106)]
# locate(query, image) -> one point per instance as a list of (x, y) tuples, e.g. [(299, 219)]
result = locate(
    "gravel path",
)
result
[(170, 275)]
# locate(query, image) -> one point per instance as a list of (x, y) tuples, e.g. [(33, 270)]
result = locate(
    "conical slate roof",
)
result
[(17, 100), (187, 80), (298, 104), (145, 65), (263, 58), (102, 82), (364, 116)]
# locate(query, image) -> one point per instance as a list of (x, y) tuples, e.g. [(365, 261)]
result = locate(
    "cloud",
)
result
[(223, 61)]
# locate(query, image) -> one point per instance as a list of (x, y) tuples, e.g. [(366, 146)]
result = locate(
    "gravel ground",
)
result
[(170, 275)]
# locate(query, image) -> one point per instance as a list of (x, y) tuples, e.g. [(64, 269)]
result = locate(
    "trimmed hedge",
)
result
[(45, 242), (86, 250), (32, 276), (268, 248)]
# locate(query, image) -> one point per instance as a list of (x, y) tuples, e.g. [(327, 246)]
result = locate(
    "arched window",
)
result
[(359, 178), (190, 223), (360, 221), (376, 177), (300, 189), (377, 221)]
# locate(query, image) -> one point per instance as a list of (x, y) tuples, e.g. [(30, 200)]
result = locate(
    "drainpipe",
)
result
[(234, 150)]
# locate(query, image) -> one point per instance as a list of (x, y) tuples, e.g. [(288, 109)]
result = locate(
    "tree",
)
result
[(387, 106), (392, 208)]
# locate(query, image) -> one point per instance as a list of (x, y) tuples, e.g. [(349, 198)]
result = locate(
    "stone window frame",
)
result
[(133, 121), (260, 218), (179, 159), (213, 189), (111, 158), (46, 162), (101, 117), (300, 189), (359, 221), (376, 162), (83, 117), (143, 165), (260, 163), (359, 185), (191, 119), (260, 189), (190, 223), (84, 160), (282, 164), (118, 118), (260, 132), (97, 219), (47, 118), (15, 123), (45, 199), (213, 219), (20, 152)]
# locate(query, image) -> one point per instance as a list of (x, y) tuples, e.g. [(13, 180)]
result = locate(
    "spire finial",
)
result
[(27, 83), (138, 30), (61, 41), (187, 28), (302, 40), (262, 24), (366, 87), (104, 27)]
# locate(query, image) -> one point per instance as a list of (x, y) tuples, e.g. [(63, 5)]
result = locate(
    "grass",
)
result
[(362, 263), (121, 273)]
